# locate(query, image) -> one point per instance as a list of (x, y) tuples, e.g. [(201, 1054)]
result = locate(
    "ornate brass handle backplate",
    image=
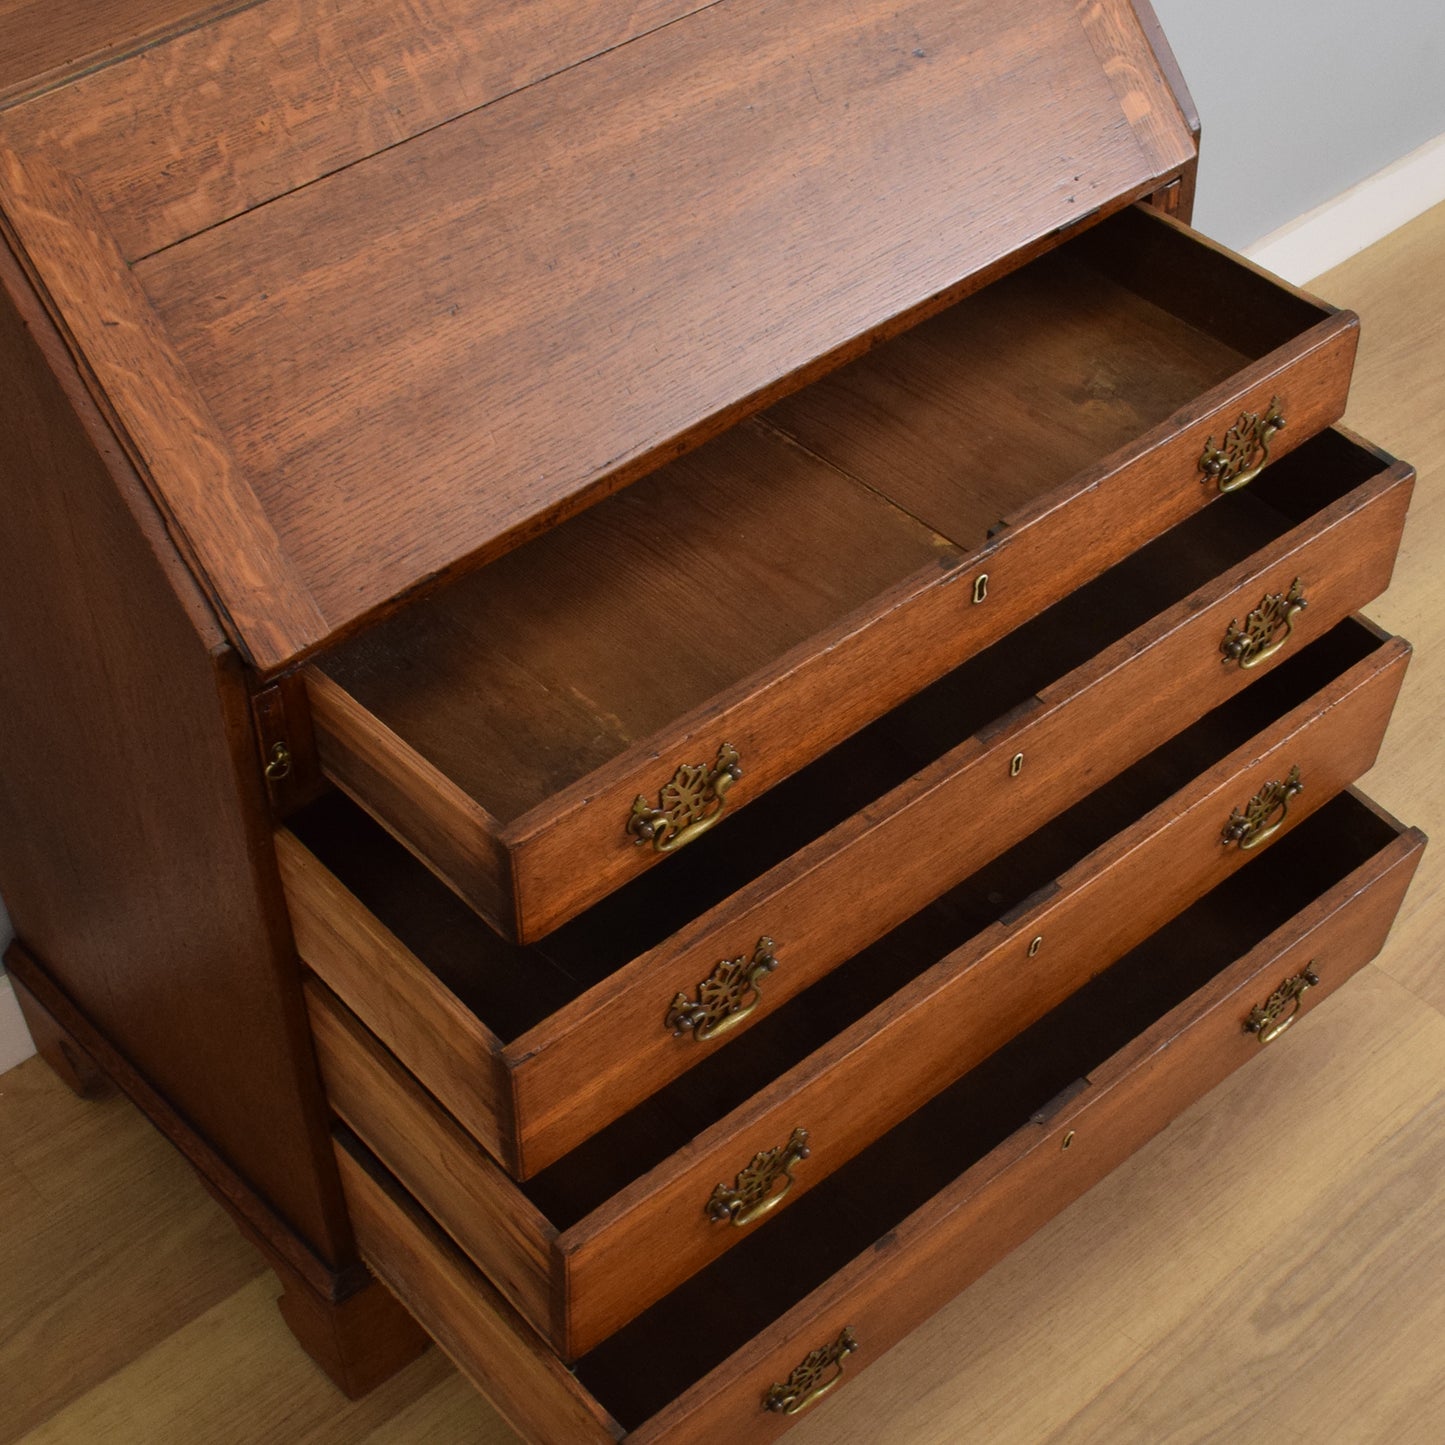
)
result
[(755, 1191), (1245, 450), (1250, 825), (725, 997), (688, 805), (1266, 629), (1268, 1020), (813, 1378)]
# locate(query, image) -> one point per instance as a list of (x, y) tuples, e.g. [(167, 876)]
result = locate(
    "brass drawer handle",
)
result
[(1261, 637), (688, 805), (725, 997), (1245, 451), (1250, 826), (754, 1192), (812, 1379), (1265, 1021)]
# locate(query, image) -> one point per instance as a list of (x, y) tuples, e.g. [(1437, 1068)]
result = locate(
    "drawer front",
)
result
[(609, 1049), (578, 1288), (1097, 493), (937, 1250)]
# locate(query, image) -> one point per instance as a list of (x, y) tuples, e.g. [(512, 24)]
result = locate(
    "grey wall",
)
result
[(1302, 98)]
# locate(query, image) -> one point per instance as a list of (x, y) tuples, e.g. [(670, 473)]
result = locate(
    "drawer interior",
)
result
[(512, 987), (971, 417), (651, 1360), (525, 677)]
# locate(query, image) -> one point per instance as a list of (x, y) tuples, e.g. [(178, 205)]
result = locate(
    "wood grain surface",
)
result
[(47, 44), (586, 1058), (310, 86), (150, 400), (409, 386), (129, 765)]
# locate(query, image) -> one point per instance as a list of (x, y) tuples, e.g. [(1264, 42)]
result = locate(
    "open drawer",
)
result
[(535, 1049), (626, 1217), (835, 1281), (549, 727)]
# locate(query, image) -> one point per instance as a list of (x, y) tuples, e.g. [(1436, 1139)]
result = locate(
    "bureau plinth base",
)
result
[(68, 1061), (344, 1319), (360, 1342)]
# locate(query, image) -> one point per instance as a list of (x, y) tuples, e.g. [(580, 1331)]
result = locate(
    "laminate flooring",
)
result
[(1271, 1269)]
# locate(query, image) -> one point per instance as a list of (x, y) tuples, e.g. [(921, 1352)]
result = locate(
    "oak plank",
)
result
[(108, 1245), (46, 44), (528, 675), (1397, 281), (1287, 1341), (567, 309), (286, 91), (270, 1390)]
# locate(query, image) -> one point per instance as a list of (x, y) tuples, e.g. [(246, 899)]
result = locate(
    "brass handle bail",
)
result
[(1256, 821), (687, 805), (754, 1192), (1244, 452), (725, 997), (1266, 629), (819, 1373), (1268, 1020)]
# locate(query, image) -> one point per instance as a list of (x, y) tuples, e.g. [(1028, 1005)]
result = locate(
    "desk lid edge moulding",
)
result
[(481, 297)]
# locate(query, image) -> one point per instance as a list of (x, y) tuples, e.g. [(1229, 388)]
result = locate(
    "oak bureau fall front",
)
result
[(745, 602)]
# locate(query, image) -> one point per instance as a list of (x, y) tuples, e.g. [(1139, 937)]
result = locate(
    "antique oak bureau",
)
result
[(670, 667)]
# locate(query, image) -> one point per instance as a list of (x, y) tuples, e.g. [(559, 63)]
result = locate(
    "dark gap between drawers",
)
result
[(624, 1150), (671, 1345)]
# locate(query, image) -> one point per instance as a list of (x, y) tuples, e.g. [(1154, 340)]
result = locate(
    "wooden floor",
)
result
[(1271, 1269)]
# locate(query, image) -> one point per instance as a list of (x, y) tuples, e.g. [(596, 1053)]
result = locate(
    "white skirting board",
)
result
[(1360, 216), (1321, 238), (15, 1043)]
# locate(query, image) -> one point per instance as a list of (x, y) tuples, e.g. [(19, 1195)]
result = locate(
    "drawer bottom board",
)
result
[(945, 1195)]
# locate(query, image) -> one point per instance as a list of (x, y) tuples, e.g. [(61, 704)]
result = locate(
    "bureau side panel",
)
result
[(134, 846)]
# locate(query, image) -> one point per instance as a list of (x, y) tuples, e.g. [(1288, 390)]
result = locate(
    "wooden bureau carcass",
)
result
[(671, 667)]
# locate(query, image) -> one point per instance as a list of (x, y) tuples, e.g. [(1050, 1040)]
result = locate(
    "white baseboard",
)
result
[(1360, 216), (15, 1043)]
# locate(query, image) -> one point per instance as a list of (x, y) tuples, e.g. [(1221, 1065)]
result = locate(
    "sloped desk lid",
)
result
[(367, 308)]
